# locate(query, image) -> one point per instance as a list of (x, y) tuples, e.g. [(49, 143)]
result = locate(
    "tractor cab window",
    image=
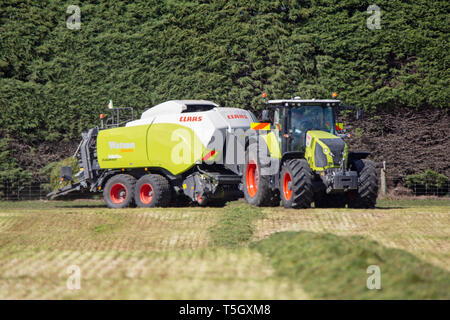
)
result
[(252, 115), (277, 124), (308, 118)]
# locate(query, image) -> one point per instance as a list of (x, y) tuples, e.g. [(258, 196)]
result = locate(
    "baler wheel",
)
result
[(153, 190), (119, 191)]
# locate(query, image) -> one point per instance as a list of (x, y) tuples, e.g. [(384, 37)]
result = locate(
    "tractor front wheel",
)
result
[(296, 184), (257, 190), (152, 190), (366, 195), (119, 191)]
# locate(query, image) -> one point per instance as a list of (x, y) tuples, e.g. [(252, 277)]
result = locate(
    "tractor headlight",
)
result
[(325, 150)]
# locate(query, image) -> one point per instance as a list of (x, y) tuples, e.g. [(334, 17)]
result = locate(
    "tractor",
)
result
[(303, 159)]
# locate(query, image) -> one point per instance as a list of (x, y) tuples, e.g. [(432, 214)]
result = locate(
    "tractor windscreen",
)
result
[(310, 118)]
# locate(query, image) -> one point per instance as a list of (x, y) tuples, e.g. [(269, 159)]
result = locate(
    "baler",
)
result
[(176, 151)]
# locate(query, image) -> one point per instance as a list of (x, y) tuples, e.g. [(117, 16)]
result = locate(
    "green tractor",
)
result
[(303, 159)]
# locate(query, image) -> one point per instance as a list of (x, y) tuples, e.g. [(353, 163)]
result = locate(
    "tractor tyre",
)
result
[(257, 190), (119, 191), (152, 190), (331, 201), (296, 184), (366, 195)]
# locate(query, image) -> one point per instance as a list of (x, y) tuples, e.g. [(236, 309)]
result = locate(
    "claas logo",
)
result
[(237, 116), (190, 119)]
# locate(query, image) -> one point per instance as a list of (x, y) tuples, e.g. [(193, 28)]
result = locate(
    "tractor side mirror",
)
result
[(265, 116), (359, 114)]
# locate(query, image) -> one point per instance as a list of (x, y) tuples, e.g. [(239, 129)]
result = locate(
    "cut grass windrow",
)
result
[(333, 267), (235, 226)]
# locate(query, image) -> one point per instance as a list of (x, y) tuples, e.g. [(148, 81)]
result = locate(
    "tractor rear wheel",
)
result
[(257, 190), (152, 190), (366, 195), (119, 191), (296, 184)]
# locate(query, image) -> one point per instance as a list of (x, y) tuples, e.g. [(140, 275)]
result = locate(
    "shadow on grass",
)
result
[(77, 206)]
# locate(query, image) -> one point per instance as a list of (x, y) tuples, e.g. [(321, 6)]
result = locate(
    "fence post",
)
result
[(383, 179)]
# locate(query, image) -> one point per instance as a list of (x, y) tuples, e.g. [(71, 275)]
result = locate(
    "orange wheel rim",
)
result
[(146, 193), (252, 178), (287, 189), (118, 193)]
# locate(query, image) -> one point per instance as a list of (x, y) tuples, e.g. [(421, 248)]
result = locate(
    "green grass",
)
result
[(413, 202), (211, 253), (54, 204), (334, 267), (235, 226), (92, 203), (105, 227)]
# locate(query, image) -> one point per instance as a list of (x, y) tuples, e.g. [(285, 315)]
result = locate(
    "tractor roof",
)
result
[(299, 102), (176, 106)]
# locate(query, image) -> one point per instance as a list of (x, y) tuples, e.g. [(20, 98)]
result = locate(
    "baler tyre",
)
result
[(257, 191), (152, 190), (331, 201), (366, 195), (296, 184), (119, 191)]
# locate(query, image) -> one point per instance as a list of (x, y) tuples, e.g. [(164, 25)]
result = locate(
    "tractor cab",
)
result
[(294, 118)]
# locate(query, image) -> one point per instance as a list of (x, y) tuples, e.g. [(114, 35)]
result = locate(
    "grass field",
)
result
[(235, 252)]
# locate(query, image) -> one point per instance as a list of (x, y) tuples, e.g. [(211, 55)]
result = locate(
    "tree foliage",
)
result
[(428, 178), (55, 81)]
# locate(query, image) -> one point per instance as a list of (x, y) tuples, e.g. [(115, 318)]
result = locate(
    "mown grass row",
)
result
[(234, 227), (330, 266), (335, 267)]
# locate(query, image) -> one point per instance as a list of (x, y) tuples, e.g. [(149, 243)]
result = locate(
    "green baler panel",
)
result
[(170, 146), (124, 147)]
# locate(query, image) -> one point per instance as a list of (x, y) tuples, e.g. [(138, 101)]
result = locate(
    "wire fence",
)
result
[(15, 190), (397, 184)]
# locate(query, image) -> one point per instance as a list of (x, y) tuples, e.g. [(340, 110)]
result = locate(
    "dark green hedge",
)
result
[(55, 81)]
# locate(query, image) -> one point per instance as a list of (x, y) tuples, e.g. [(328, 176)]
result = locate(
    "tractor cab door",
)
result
[(277, 125)]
